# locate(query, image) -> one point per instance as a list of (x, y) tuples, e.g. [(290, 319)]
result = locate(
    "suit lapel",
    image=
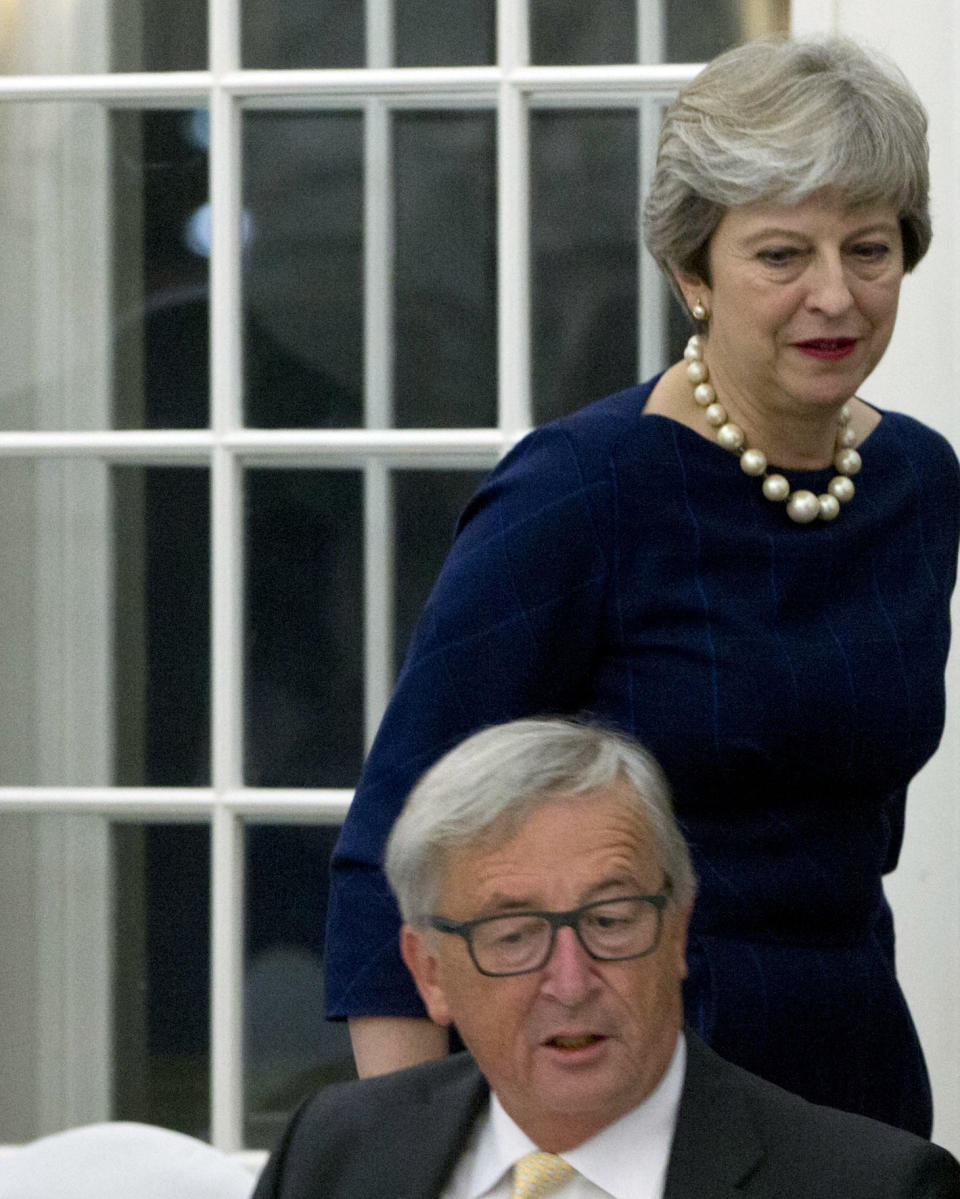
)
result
[(423, 1139), (716, 1147)]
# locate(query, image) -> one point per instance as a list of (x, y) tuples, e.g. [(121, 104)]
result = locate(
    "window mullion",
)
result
[(652, 306), (379, 27), (650, 31), (226, 884), (513, 224), (378, 518)]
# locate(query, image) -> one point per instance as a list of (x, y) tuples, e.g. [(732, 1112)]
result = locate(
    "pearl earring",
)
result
[(699, 311)]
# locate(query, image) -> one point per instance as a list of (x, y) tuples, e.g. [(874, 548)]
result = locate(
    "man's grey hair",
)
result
[(776, 120), (484, 789)]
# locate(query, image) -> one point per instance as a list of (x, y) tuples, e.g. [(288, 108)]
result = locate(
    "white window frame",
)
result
[(509, 89)]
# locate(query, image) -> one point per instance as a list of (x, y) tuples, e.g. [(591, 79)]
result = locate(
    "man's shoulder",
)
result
[(394, 1134), (426, 1083), (787, 1146)]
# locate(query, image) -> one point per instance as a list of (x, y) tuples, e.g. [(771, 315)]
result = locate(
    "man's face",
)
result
[(571, 1047)]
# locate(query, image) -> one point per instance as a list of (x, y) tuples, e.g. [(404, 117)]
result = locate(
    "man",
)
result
[(546, 892)]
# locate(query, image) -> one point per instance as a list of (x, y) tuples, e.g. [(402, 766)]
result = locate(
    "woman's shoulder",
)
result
[(905, 434), (567, 461), (589, 436)]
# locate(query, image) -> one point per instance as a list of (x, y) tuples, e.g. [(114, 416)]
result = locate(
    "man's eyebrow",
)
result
[(502, 904), (628, 884)]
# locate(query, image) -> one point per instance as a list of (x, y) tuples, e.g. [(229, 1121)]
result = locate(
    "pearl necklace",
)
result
[(802, 506)]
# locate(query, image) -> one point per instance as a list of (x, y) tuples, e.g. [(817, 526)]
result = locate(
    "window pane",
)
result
[(446, 348), (110, 325), (584, 250), (289, 1049), (55, 984), (570, 32), (103, 624), (455, 33), (695, 30), (427, 504), (304, 627), (50, 37), (161, 269), (303, 269), (302, 33), (162, 975), (162, 580)]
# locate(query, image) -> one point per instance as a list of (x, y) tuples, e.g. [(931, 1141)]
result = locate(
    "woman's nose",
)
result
[(828, 288)]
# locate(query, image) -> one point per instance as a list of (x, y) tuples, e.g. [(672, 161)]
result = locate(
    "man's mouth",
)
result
[(577, 1042)]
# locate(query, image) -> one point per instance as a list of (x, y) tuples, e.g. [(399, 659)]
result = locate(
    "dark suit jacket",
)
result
[(400, 1135)]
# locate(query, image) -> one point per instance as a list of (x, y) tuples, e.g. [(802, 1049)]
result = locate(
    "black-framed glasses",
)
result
[(610, 930)]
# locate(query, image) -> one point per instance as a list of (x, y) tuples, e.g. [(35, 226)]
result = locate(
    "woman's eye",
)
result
[(874, 251), (778, 256)]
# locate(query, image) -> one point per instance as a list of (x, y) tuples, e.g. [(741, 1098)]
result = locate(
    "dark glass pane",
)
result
[(159, 35), (569, 32), (584, 250), (289, 1049), (455, 33), (446, 345), (162, 667), (162, 976), (161, 231), (303, 269), (427, 504), (304, 628), (302, 33), (695, 31)]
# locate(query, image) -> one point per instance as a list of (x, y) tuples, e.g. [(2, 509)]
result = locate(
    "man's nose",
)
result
[(569, 975)]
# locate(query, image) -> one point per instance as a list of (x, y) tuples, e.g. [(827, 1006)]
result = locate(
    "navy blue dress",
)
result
[(789, 679)]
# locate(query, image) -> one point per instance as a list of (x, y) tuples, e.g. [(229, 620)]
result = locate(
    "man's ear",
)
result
[(678, 937), (416, 949)]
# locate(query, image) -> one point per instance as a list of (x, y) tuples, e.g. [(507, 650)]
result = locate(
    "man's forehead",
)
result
[(594, 840)]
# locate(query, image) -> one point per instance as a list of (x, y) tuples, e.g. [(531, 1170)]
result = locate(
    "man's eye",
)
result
[(606, 924), (515, 933)]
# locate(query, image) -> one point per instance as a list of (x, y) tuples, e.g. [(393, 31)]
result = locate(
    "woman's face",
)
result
[(802, 300)]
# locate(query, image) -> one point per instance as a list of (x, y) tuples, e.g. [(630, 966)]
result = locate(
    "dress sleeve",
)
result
[(509, 630)]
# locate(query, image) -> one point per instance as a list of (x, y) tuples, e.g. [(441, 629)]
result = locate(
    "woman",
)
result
[(692, 561)]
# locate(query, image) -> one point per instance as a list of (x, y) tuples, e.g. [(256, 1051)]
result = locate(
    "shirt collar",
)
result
[(628, 1159)]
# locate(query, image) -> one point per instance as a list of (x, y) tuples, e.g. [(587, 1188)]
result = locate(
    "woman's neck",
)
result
[(790, 439)]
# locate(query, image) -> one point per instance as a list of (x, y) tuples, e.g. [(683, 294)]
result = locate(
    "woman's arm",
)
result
[(510, 630), (385, 1043)]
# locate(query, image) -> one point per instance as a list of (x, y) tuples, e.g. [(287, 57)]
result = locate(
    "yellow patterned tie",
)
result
[(539, 1173)]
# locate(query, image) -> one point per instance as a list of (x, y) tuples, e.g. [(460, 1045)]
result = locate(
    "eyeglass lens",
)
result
[(618, 928)]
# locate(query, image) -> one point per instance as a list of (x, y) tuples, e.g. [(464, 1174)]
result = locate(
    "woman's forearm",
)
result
[(385, 1043)]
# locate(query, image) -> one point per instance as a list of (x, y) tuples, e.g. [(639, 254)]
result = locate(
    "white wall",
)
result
[(918, 376)]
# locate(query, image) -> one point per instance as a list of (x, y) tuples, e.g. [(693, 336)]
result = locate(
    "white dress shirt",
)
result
[(627, 1160)]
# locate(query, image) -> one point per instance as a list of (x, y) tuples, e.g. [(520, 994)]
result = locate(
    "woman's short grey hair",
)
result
[(777, 120), (483, 790)]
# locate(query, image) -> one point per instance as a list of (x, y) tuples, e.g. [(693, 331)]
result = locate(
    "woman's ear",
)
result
[(694, 290)]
